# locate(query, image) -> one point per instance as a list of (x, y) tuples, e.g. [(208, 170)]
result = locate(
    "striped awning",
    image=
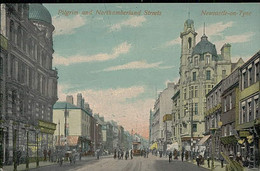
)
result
[(203, 140)]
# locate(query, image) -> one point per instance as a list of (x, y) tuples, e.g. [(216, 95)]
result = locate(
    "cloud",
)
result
[(116, 52), (135, 21), (237, 57), (215, 29), (173, 42), (66, 25), (137, 65), (113, 105), (240, 38)]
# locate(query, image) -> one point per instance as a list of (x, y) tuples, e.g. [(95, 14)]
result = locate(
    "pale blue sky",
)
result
[(114, 56)]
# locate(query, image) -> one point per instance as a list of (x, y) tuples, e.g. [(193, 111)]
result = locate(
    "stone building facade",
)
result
[(248, 118), (30, 82), (200, 69), (163, 106)]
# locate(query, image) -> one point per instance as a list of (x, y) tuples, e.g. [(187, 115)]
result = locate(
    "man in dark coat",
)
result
[(170, 157)]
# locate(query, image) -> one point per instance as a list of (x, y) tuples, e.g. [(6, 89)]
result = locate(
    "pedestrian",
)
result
[(122, 154), (239, 158), (147, 153), (131, 153), (144, 153), (182, 155), (45, 154), (170, 157), (208, 159), (118, 154), (198, 161), (49, 155), (115, 154), (126, 154)]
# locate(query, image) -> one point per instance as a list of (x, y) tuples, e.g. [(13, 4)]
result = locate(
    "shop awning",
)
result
[(228, 139), (71, 141), (154, 146), (203, 140)]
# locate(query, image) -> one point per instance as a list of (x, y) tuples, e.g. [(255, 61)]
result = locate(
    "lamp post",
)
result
[(191, 129), (15, 151), (37, 143), (213, 132)]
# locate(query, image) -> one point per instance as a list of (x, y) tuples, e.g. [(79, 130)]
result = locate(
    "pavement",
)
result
[(44, 164), (217, 166)]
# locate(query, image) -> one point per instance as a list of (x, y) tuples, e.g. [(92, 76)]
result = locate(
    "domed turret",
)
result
[(189, 23), (204, 46), (37, 12)]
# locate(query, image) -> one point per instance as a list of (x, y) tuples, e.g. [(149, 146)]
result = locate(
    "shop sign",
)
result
[(47, 125), (167, 117), (244, 133)]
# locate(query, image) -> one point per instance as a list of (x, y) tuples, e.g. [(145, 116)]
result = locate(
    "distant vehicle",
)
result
[(136, 148)]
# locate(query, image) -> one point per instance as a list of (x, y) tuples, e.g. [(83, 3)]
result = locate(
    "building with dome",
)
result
[(200, 69), (30, 82)]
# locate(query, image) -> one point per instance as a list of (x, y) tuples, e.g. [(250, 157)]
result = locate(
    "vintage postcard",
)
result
[(129, 86)]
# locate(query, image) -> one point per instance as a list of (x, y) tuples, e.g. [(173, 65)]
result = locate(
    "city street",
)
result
[(152, 163)]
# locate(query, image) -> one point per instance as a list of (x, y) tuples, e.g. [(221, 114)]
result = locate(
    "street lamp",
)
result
[(213, 132), (27, 147), (37, 142)]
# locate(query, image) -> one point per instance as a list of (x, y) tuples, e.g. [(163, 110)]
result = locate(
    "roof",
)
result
[(62, 105), (204, 46), (40, 13), (189, 23)]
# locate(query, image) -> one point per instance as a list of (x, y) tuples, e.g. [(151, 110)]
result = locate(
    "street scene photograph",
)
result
[(129, 86)]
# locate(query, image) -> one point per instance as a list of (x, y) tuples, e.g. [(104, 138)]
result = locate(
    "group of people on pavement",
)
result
[(120, 154)]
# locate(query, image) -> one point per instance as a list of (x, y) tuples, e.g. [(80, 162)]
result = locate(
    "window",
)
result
[(208, 75), (250, 115), (19, 37), (24, 41), (11, 30), (1, 66), (207, 59), (225, 130), (256, 115), (249, 77), (243, 119), (225, 104), (196, 91), (224, 73), (196, 109), (191, 92), (194, 76), (196, 61), (243, 79), (257, 71), (185, 94), (180, 128), (189, 43), (194, 127), (230, 101), (230, 130)]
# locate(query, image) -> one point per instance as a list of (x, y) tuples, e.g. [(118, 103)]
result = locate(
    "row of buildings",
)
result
[(31, 119), (84, 131), (214, 104)]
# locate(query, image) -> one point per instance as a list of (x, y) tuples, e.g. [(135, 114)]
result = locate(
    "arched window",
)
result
[(11, 30), (189, 43)]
